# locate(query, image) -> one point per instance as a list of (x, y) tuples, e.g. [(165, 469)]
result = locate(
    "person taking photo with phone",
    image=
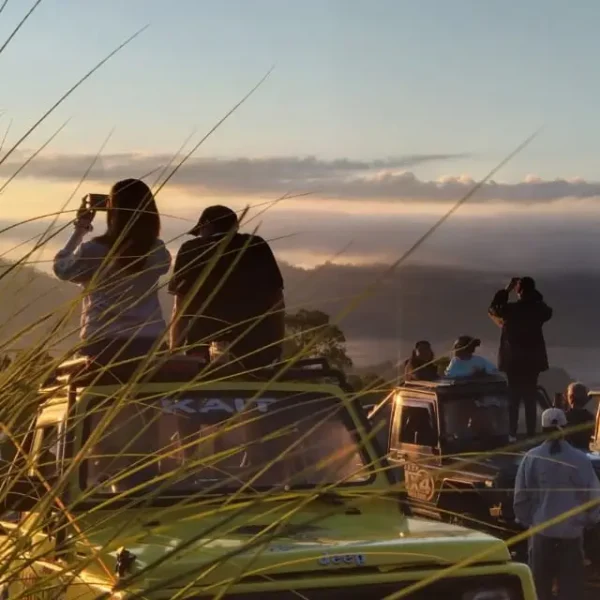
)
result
[(522, 354), (121, 317)]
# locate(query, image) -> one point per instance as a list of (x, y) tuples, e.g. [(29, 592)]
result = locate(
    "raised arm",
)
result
[(499, 307), (77, 262)]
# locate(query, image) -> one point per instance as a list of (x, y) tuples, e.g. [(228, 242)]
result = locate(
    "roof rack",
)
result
[(178, 368), (450, 382)]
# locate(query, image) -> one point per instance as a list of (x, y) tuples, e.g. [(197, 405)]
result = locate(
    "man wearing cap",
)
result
[(557, 494), (227, 287)]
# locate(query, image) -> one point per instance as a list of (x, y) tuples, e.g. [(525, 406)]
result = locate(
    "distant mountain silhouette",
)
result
[(436, 303), (440, 303)]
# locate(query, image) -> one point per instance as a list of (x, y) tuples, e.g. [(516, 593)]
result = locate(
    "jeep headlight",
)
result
[(499, 593)]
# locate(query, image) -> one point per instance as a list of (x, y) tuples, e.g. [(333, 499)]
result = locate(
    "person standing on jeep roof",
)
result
[(227, 287), (557, 491), (421, 364), (580, 420), (522, 354)]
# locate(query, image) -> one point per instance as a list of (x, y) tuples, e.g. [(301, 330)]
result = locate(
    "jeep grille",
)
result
[(448, 589)]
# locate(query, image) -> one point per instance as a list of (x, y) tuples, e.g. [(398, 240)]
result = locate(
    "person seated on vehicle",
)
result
[(421, 366), (121, 316), (465, 363), (228, 288), (580, 422)]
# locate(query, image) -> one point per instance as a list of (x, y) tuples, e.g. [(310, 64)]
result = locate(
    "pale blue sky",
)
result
[(360, 79)]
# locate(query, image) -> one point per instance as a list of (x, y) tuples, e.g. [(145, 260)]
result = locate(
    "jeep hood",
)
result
[(213, 550)]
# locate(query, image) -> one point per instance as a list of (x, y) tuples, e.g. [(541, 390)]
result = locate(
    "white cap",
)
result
[(554, 417)]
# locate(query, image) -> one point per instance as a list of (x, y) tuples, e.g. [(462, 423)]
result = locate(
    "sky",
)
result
[(384, 111)]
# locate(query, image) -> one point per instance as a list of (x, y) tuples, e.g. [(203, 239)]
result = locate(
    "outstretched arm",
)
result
[(499, 307)]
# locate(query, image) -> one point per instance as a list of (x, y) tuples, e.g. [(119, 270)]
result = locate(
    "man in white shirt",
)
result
[(557, 493), (465, 362)]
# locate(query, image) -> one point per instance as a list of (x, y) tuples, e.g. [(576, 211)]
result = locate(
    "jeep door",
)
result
[(414, 446), (36, 572)]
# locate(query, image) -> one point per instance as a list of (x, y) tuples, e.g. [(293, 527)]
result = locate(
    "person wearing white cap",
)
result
[(557, 494)]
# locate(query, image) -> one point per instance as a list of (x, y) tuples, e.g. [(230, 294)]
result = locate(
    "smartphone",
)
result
[(96, 201)]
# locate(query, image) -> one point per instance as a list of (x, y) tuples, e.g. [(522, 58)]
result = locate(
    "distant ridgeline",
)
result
[(418, 302)]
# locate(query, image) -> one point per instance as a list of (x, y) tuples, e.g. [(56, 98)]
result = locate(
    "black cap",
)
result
[(221, 217), (466, 342)]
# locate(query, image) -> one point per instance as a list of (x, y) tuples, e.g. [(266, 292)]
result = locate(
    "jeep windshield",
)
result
[(478, 422), (203, 442)]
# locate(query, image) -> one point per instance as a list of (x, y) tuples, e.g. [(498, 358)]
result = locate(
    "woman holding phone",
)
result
[(121, 317)]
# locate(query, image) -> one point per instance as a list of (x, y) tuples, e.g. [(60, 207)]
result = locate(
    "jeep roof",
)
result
[(457, 384)]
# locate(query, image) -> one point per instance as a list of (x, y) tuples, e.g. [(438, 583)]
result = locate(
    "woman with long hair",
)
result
[(121, 315), (421, 364)]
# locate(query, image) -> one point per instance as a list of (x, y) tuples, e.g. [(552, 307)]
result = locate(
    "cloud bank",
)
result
[(532, 242), (385, 180)]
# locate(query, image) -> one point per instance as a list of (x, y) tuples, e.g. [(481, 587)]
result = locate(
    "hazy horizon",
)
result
[(375, 120)]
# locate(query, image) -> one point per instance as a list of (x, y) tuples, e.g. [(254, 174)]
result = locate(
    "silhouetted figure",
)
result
[(580, 421), (465, 363), (228, 288), (421, 366), (522, 355)]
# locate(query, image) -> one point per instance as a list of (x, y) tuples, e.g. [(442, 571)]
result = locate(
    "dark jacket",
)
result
[(577, 418), (416, 370), (522, 344)]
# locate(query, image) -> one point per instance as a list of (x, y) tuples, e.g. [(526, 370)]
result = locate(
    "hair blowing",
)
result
[(133, 223)]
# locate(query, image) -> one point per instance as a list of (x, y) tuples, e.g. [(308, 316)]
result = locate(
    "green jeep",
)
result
[(448, 440), (205, 484)]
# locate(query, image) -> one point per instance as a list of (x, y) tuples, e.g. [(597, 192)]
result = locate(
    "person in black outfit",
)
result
[(228, 288), (579, 420), (522, 354), (420, 365)]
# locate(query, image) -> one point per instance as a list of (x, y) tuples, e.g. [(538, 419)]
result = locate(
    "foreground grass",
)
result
[(205, 517)]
